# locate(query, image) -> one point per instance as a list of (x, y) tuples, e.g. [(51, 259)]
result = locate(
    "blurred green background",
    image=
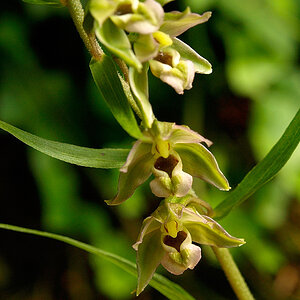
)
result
[(243, 107)]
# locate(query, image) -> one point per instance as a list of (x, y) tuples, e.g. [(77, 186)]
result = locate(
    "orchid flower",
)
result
[(166, 238), (174, 155), (140, 32), (170, 59)]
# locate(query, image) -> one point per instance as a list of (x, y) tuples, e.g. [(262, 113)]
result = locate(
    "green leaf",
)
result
[(82, 156), (169, 289), (186, 52), (55, 3), (265, 170), (107, 80)]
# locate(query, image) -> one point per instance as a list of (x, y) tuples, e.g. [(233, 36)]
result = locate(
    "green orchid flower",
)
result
[(166, 238), (113, 18), (170, 59), (174, 155)]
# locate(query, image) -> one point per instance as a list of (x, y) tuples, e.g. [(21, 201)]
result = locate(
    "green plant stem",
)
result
[(77, 14), (233, 274)]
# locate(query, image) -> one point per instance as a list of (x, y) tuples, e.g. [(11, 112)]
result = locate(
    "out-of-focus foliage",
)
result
[(244, 106)]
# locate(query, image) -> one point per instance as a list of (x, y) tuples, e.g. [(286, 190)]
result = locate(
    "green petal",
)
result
[(205, 230), (82, 156), (135, 172), (116, 40), (149, 256), (201, 65), (199, 162), (145, 47), (139, 85), (175, 23)]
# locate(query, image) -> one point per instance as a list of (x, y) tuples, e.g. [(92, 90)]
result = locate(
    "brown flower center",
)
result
[(164, 58), (123, 9), (166, 164), (175, 242)]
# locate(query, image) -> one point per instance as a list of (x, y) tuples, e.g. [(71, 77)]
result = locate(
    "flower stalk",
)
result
[(77, 14), (233, 274)]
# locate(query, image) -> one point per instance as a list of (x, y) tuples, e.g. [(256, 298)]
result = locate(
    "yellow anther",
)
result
[(163, 148), (172, 228), (162, 38)]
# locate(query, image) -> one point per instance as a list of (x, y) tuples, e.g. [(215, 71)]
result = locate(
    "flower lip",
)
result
[(166, 164), (175, 242)]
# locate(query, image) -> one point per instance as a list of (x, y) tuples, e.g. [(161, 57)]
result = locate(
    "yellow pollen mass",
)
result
[(162, 38), (163, 148), (172, 227)]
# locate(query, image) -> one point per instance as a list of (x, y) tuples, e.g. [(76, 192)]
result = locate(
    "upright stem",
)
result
[(233, 274), (77, 14)]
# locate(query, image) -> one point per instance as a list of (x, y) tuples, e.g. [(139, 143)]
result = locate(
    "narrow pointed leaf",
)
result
[(186, 52), (265, 170), (82, 156), (169, 289), (199, 162), (107, 80), (54, 3)]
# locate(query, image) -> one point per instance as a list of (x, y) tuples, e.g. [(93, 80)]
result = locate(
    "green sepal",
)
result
[(102, 10), (53, 3), (139, 85), (149, 256), (175, 23), (106, 77), (116, 41), (199, 162), (135, 172), (201, 65), (206, 231), (82, 156)]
